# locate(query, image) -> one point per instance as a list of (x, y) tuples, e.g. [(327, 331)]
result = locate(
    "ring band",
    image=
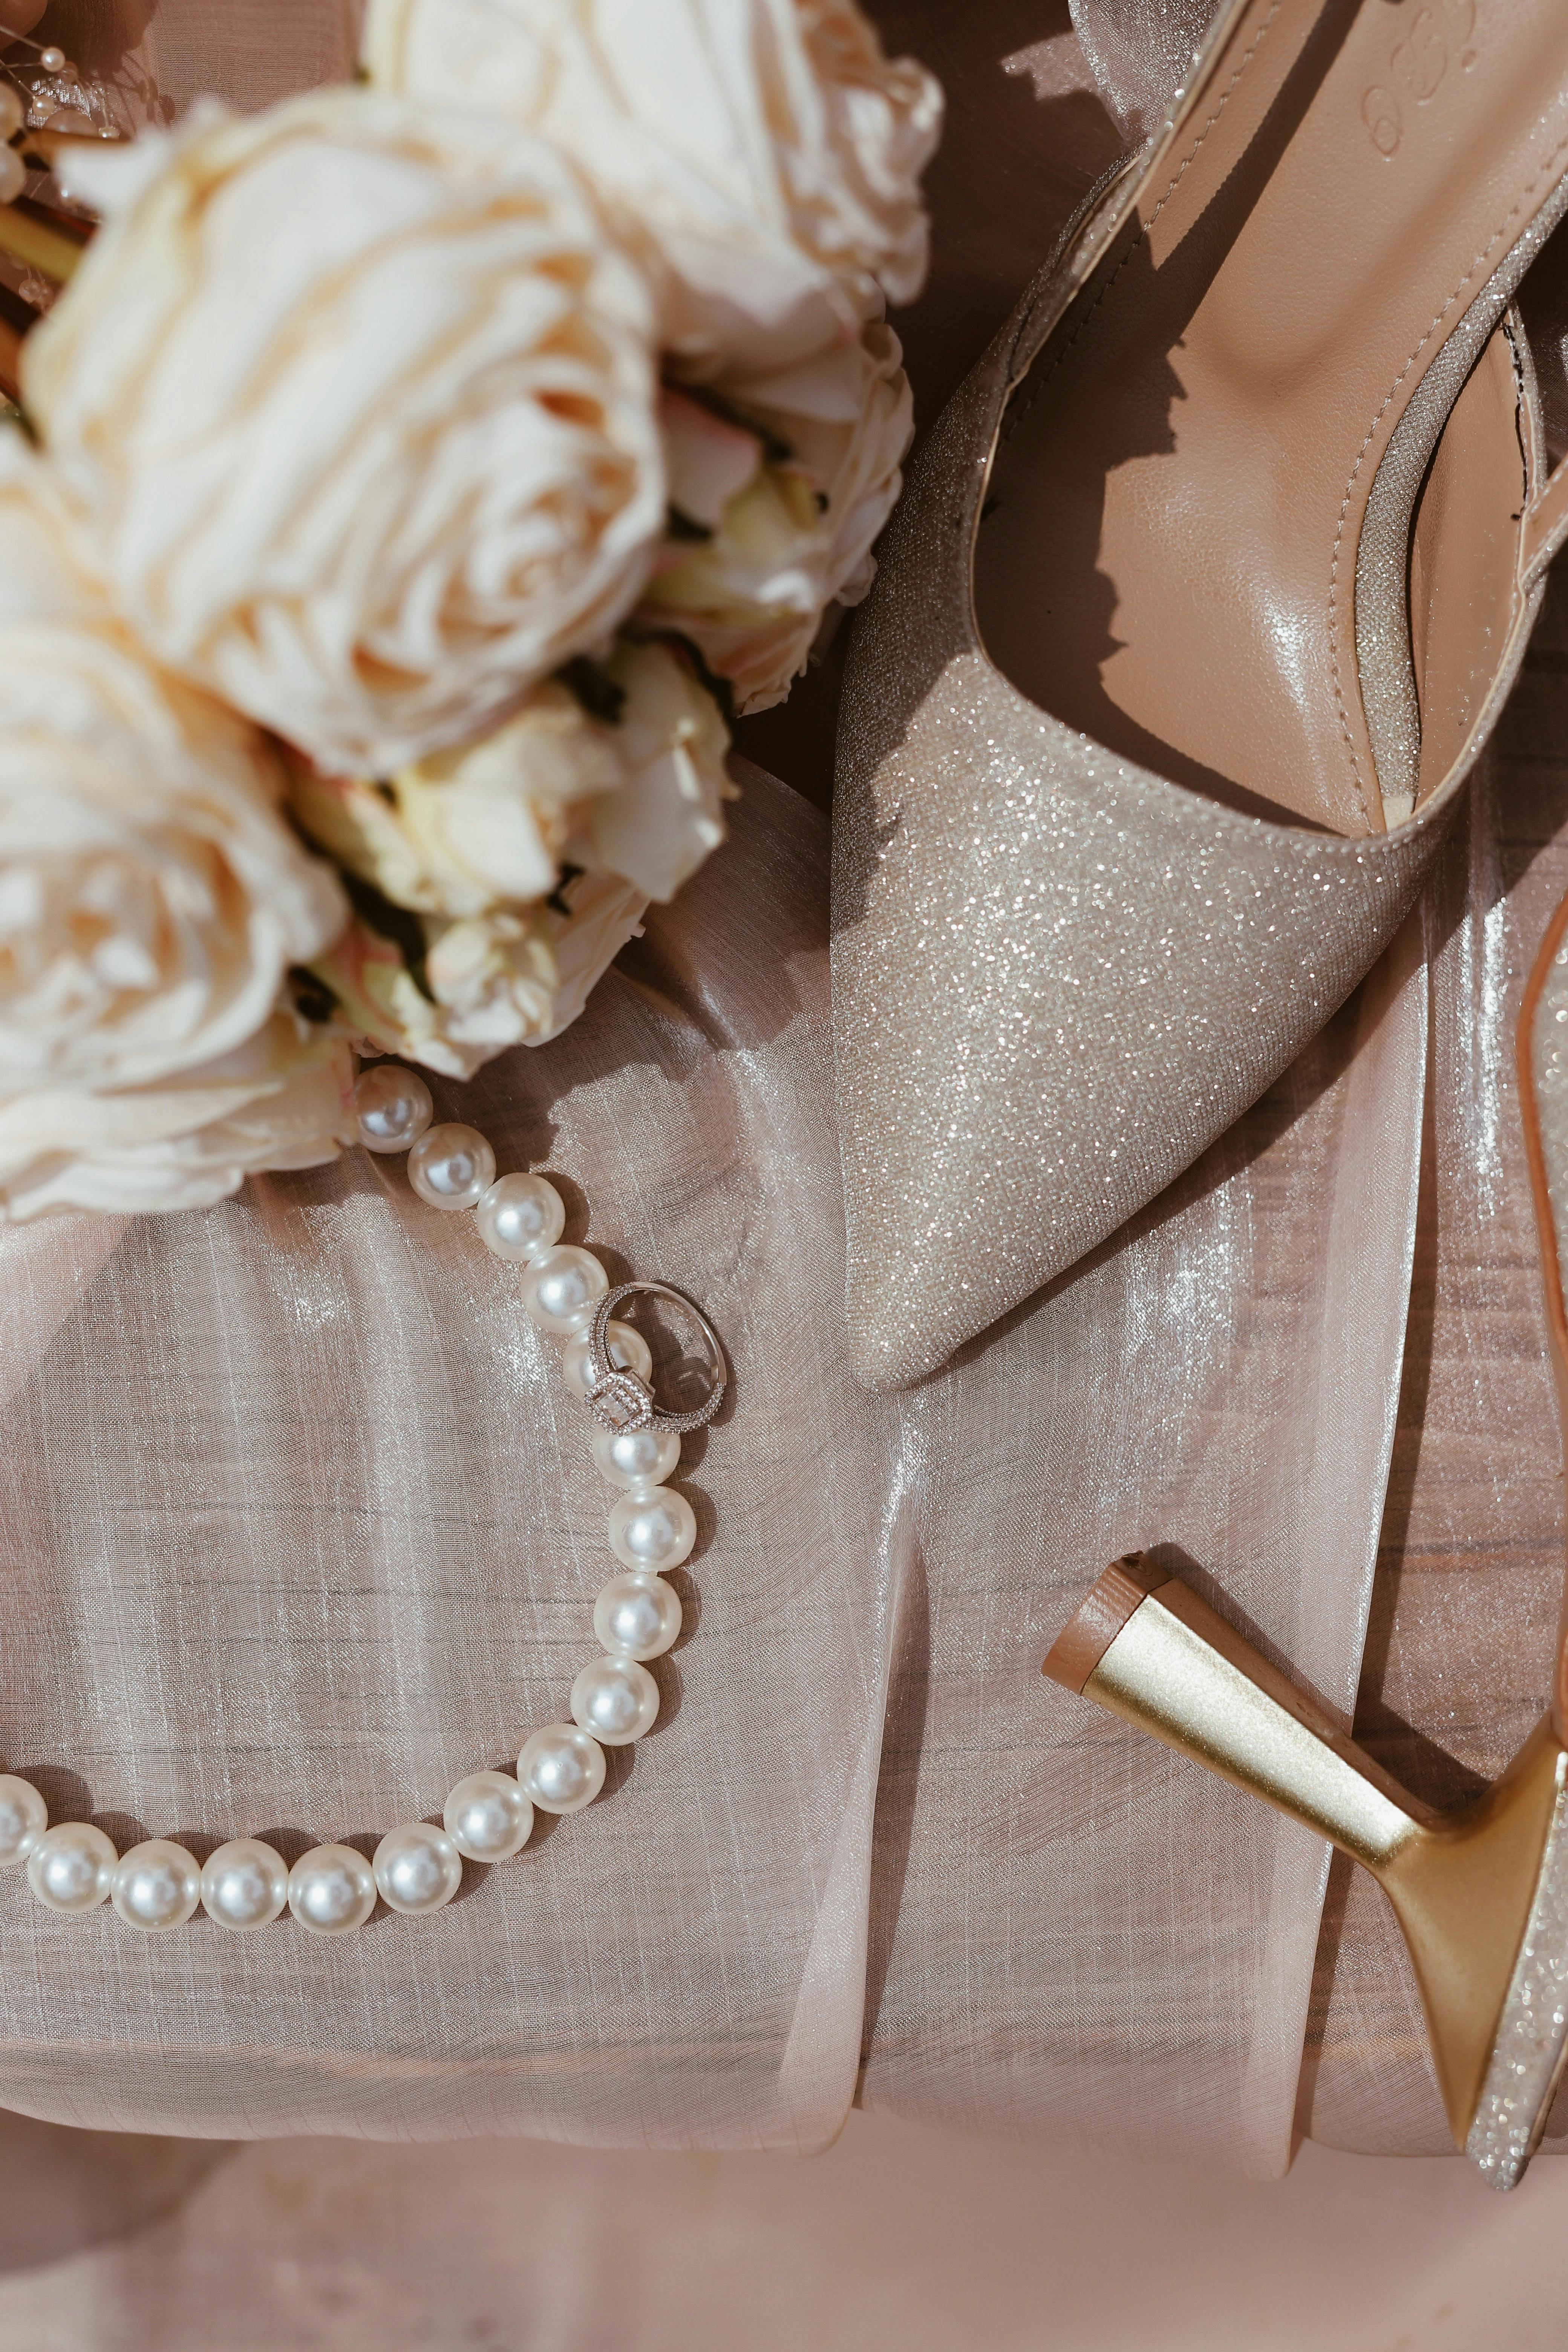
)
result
[(619, 1399)]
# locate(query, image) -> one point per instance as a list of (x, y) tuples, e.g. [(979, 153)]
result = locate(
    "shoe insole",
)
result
[(1168, 559)]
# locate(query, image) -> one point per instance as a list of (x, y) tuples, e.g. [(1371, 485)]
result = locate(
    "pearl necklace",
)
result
[(488, 1817)]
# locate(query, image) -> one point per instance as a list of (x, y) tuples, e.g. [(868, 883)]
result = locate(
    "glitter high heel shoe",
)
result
[(1481, 1896), (1200, 605)]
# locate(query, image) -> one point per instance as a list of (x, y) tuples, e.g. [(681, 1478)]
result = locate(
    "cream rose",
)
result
[(448, 963), (781, 519), (152, 896), (590, 920), (451, 995), (762, 158), (639, 793), (508, 977), (283, 1099), (464, 831), (359, 401), (666, 816)]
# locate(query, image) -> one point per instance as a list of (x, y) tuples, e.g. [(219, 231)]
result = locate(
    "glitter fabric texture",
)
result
[(1057, 976), (1531, 2044), (1140, 50), (1527, 2056), (1549, 1062)]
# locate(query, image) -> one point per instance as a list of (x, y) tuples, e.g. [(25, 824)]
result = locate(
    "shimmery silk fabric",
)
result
[(1469, 1586), (298, 1524), (1089, 1938), (1138, 51)]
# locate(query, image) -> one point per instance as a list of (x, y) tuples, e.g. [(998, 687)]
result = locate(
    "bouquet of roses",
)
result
[(415, 478)]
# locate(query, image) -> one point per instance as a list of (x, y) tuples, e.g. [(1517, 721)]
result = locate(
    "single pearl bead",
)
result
[(393, 1107), (417, 1868), (245, 1884), (488, 1817), (13, 175), (520, 1217), (636, 1616), (654, 1529), (637, 1457), (561, 1289), (451, 1167), (627, 1348), (156, 1884), (561, 1769), (71, 1868), (51, 60), (331, 1890), (24, 1818), (615, 1699)]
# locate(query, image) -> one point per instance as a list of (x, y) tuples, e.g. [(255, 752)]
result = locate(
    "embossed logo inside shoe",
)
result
[(1439, 36)]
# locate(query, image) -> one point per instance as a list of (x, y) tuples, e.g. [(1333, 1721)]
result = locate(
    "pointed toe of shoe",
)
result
[(911, 1299), (895, 1339), (1056, 978)]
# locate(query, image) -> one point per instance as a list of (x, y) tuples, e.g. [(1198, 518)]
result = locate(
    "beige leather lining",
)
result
[(1170, 554)]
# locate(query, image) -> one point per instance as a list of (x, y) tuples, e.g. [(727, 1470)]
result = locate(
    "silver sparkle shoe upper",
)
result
[(1057, 974)]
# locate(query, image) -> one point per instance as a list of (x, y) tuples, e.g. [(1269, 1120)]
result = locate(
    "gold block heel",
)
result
[(1481, 1896)]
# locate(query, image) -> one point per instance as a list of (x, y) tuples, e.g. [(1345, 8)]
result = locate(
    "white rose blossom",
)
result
[(152, 896), (789, 511), (283, 1099), (359, 398), (665, 815), (450, 994), (494, 885), (639, 791), (591, 918), (513, 976), (760, 158), (152, 902), (464, 831)]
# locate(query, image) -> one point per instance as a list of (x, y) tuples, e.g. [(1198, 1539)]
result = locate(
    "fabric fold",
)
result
[(300, 1525), (1463, 1634), (1092, 1942)]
